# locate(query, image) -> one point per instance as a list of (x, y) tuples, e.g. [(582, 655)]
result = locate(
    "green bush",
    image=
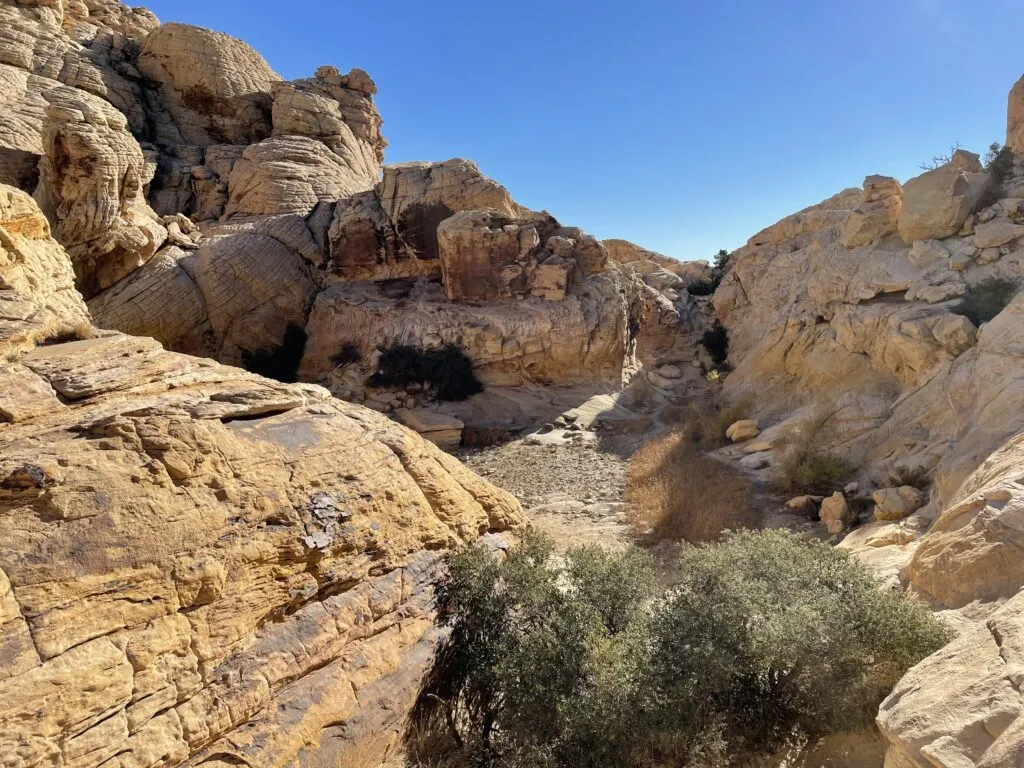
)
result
[(986, 299), (348, 354), (764, 641), (768, 639), (716, 342), (446, 369), (816, 473), (281, 363)]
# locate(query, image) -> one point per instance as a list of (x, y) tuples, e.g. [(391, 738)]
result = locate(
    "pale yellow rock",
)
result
[(191, 550), (937, 203), (996, 233), (896, 503), (1015, 118), (877, 214), (216, 88), (91, 185), (745, 429), (835, 513), (962, 706)]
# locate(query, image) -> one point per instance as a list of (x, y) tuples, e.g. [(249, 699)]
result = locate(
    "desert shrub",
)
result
[(764, 641), (768, 638), (77, 332), (706, 426), (716, 342), (986, 299), (703, 287), (938, 161), (806, 468), (915, 476), (483, 437), (447, 370), (537, 670), (816, 473), (999, 163), (348, 354), (679, 494), (280, 363), (721, 261)]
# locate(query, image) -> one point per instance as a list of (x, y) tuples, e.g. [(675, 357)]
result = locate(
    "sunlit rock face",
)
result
[(201, 565)]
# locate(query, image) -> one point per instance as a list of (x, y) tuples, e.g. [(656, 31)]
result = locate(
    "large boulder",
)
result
[(216, 88), (200, 565), (937, 203), (37, 286), (962, 705), (877, 214), (392, 231), (584, 339)]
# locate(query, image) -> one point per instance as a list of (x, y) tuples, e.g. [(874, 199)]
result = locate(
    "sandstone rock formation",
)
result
[(201, 566), (848, 316), (152, 129)]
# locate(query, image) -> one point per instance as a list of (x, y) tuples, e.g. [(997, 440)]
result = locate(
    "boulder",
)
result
[(962, 706), (38, 299), (877, 214), (996, 233), (292, 174), (896, 503), (804, 505), (91, 183), (746, 429), (216, 88), (486, 256), (836, 514), (442, 430), (937, 203)]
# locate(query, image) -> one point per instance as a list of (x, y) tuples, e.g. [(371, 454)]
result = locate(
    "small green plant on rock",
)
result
[(986, 299)]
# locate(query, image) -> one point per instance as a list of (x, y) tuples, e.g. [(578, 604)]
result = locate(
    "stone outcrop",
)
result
[(878, 213), (1015, 118), (848, 318), (201, 565), (216, 88), (937, 203)]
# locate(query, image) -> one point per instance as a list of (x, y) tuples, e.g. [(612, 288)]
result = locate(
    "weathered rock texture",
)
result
[(844, 319), (201, 566), (129, 133)]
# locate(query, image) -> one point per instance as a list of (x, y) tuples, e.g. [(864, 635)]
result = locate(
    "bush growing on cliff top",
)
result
[(765, 641)]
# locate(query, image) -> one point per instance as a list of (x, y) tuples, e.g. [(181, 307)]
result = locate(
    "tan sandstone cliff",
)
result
[(849, 309), (200, 566)]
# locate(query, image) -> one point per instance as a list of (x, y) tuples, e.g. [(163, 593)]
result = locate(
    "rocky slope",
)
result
[(848, 312), (201, 566)]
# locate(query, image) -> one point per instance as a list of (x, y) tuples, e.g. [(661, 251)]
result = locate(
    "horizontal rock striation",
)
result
[(201, 566)]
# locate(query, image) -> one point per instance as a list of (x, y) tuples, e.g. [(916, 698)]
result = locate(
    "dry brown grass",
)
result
[(706, 425), (677, 493), (485, 437)]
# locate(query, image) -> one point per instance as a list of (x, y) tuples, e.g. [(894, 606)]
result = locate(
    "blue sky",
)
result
[(684, 126)]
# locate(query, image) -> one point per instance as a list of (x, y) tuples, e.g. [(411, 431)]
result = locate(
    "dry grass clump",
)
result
[(706, 426), (485, 437), (804, 466), (678, 494)]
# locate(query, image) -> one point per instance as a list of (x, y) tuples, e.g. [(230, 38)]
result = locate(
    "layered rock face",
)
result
[(201, 566), (852, 309), (212, 205)]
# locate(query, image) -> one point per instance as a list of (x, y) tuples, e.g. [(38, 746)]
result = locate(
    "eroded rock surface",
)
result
[(201, 566)]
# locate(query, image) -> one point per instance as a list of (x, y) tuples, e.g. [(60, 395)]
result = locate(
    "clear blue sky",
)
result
[(684, 126)]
